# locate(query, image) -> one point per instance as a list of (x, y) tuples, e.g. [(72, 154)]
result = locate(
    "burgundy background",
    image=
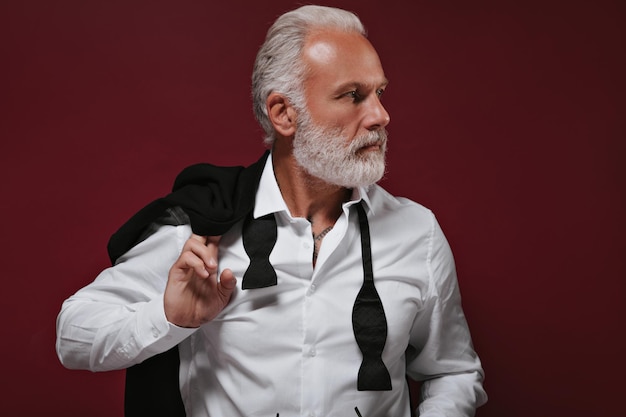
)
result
[(507, 121)]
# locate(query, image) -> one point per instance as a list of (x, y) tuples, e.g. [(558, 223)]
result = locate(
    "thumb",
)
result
[(227, 283)]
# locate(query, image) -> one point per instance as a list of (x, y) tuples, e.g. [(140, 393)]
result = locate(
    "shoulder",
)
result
[(412, 232), (406, 222), (387, 207), (164, 243)]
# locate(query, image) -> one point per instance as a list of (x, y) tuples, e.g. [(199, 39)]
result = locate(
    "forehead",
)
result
[(335, 58)]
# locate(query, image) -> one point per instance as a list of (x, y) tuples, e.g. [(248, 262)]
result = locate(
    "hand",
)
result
[(193, 295)]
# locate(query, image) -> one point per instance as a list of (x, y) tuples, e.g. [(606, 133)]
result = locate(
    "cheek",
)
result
[(347, 122), (339, 116)]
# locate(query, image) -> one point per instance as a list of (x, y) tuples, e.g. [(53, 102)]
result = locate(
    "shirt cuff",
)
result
[(159, 334)]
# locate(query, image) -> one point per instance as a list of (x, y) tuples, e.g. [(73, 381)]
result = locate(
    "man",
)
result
[(307, 332)]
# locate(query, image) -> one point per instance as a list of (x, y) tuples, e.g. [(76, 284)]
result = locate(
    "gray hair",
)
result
[(279, 67)]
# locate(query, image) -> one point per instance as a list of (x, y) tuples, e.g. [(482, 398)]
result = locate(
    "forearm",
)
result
[(102, 337), (455, 395), (118, 320)]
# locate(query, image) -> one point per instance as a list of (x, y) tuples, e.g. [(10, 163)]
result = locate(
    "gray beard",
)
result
[(327, 154)]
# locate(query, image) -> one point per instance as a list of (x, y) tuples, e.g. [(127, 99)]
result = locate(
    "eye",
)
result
[(354, 95), (380, 92)]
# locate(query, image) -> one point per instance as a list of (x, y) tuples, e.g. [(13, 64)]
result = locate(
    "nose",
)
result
[(376, 117)]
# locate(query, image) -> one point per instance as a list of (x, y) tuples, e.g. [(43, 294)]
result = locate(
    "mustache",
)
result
[(374, 137)]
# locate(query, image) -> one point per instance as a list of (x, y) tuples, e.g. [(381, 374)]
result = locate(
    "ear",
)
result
[(281, 114)]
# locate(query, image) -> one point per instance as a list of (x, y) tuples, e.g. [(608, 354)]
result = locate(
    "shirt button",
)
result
[(311, 290), (306, 245), (312, 352)]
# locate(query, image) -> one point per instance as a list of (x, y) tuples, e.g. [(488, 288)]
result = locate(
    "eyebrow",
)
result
[(359, 85)]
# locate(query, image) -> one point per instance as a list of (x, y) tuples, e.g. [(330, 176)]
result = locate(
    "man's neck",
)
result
[(305, 195)]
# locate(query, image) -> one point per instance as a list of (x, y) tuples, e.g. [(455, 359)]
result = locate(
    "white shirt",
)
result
[(290, 348)]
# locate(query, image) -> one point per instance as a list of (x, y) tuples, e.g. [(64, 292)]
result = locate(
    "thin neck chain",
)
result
[(322, 234), (317, 241)]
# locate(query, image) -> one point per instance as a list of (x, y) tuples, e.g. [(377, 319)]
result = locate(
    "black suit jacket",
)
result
[(214, 199)]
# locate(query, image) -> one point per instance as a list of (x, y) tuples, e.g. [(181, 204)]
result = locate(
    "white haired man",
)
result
[(329, 291)]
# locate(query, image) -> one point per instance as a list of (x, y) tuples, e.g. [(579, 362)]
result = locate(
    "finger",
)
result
[(198, 246), (214, 240), (188, 260), (201, 239), (212, 248), (227, 284)]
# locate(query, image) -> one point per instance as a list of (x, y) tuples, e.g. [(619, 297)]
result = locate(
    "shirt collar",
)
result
[(360, 194), (270, 200), (268, 197)]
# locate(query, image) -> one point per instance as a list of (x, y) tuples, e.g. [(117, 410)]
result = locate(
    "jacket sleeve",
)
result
[(118, 320), (441, 355)]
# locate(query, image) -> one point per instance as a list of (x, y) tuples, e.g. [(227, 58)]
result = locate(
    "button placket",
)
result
[(311, 290)]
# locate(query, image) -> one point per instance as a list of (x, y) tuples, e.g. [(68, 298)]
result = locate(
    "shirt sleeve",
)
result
[(441, 354), (119, 320)]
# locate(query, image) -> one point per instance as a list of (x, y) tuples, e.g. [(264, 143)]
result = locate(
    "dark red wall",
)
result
[(507, 121)]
